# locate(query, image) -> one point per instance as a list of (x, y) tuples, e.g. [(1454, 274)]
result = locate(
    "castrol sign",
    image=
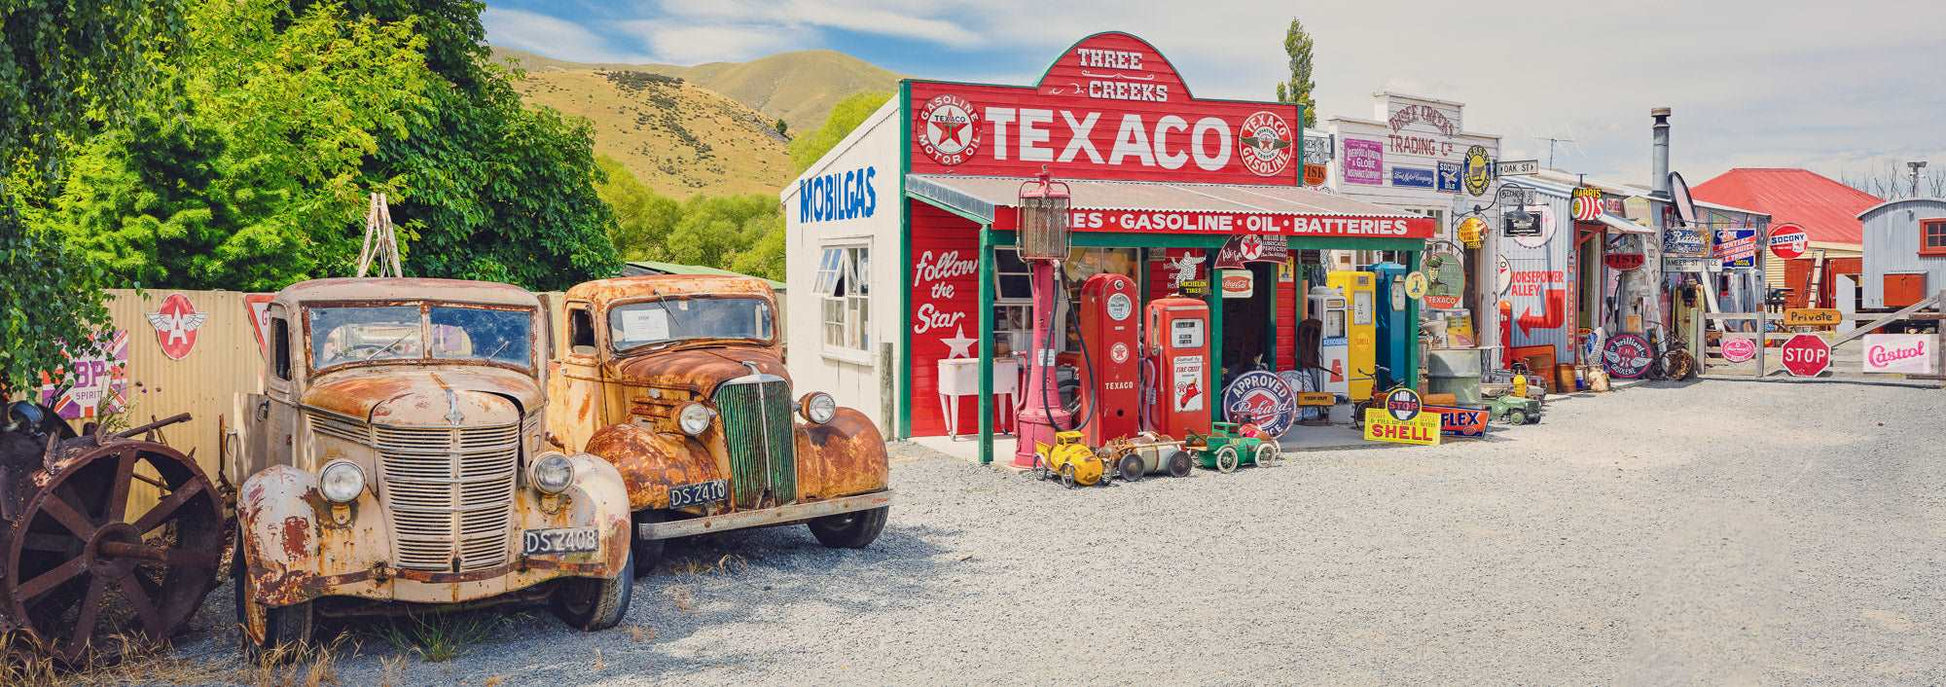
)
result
[(1111, 107)]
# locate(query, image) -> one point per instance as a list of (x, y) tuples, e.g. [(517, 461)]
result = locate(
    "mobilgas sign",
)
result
[(851, 194), (1111, 107)]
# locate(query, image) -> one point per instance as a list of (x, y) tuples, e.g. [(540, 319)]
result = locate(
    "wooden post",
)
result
[(1939, 338), (887, 398)]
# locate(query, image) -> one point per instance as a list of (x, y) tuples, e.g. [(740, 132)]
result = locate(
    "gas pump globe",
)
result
[(1043, 241)]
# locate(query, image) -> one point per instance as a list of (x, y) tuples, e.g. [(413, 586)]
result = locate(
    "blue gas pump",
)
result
[(1394, 330)]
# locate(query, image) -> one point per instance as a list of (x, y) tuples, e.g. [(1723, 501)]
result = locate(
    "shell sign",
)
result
[(1111, 107)]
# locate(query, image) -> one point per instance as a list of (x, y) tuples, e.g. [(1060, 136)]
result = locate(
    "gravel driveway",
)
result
[(1722, 532)]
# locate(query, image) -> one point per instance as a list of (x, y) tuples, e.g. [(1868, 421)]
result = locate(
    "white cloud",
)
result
[(556, 38), (680, 43), (917, 21)]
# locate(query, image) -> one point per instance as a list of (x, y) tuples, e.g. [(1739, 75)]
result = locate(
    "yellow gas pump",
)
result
[(1360, 290)]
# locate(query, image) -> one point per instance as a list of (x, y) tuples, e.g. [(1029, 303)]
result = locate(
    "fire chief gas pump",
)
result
[(1393, 328), (1108, 340), (1043, 241), (1362, 329), (1177, 347)]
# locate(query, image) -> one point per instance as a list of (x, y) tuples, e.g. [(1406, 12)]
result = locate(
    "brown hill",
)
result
[(677, 137), (799, 87)]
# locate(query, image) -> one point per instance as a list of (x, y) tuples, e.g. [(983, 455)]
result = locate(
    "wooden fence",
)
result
[(1932, 310)]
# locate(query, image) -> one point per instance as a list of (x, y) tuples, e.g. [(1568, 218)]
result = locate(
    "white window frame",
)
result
[(845, 264)]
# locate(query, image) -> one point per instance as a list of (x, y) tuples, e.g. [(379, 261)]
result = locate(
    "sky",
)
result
[(1844, 88)]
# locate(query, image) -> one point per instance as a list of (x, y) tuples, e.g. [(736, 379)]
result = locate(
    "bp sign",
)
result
[(1806, 355), (1627, 356), (1265, 398)]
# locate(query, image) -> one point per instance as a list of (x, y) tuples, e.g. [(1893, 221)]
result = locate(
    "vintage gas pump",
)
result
[(1108, 337), (1393, 330), (1043, 241), (1361, 330), (1334, 349), (1176, 332)]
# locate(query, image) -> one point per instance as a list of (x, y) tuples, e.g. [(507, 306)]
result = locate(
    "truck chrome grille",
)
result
[(761, 443), (450, 493)]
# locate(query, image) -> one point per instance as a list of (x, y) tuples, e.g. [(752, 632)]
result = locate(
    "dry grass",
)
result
[(437, 637), (391, 671), (493, 681), (132, 661), (679, 596), (599, 664), (640, 634), (725, 564), (295, 666)]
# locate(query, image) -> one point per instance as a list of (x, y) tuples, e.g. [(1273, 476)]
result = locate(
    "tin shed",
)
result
[(1905, 251)]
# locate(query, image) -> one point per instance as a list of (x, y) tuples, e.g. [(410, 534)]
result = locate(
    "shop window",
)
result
[(843, 286), (1932, 238)]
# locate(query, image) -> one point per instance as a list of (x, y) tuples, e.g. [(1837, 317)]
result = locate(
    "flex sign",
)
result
[(1111, 107)]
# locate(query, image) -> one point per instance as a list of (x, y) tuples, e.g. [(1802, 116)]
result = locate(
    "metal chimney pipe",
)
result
[(1661, 156)]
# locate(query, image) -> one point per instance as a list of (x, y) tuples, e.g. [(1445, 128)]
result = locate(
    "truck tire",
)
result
[(854, 530), (1131, 467), (288, 630), (592, 604), (1227, 459), (1180, 464), (647, 552)]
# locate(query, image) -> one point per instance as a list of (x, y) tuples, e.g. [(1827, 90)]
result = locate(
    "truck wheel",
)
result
[(1226, 459), (595, 603), (647, 552), (854, 530), (1180, 464), (1131, 467), (1265, 455), (1107, 471), (1040, 467), (1516, 417), (286, 629), (1067, 475)]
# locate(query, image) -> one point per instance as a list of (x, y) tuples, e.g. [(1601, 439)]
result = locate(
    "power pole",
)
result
[(1916, 165)]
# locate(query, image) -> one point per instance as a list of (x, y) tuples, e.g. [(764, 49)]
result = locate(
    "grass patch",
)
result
[(438, 637)]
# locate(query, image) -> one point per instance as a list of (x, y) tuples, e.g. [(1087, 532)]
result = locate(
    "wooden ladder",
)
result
[(1815, 299)]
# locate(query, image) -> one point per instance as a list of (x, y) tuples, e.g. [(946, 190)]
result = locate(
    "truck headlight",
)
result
[(694, 418), (552, 474), (818, 407), (341, 481)]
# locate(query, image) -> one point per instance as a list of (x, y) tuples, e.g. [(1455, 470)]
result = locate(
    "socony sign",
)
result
[(1112, 107)]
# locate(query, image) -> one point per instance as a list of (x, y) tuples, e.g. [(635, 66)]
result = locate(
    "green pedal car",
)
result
[(1225, 448)]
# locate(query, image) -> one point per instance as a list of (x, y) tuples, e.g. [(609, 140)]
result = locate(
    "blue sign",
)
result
[(1737, 248), (1449, 177), (1413, 177), (837, 196)]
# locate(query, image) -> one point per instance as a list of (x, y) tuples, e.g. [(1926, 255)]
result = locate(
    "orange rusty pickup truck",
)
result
[(679, 381)]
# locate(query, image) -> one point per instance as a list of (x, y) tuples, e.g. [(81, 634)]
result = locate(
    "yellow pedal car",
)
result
[(1071, 460)]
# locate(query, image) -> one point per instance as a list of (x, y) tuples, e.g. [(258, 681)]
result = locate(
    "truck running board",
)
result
[(781, 515)]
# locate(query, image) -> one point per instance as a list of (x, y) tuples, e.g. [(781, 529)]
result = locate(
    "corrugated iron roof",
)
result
[(980, 195), (640, 267), (1828, 210)]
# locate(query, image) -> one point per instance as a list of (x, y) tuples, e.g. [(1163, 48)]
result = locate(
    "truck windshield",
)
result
[(343, 335), (676, 319)]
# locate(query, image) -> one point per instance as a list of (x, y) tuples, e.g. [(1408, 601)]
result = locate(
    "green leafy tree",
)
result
[(490, 189), (65, 67), (643, 218), (845, 116), (1298, 44), (244, 171)]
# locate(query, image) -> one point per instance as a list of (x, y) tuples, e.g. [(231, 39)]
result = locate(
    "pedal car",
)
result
[(1148, 453), (1071, 460), (1515, 410), (1229, 445)]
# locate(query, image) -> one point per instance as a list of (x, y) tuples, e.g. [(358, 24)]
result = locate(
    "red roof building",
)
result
[(1827, 209)]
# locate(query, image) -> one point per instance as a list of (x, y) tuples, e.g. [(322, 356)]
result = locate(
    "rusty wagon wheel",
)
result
[(80, 567)]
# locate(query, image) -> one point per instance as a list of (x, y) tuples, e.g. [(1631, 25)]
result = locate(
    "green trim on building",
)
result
[(904, 373)]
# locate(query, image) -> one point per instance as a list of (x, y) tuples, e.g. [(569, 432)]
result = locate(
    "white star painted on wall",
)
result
[(959, 345)]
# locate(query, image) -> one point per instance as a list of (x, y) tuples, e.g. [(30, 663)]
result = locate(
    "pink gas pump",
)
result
[(1043, 242)]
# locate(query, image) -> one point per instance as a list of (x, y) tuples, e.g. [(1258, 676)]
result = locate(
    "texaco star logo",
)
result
[(1265, 144), (948, 130)]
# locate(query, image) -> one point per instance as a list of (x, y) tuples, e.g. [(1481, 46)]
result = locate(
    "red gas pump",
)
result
[(1177, 348), (1108, 332), (1043, 241)]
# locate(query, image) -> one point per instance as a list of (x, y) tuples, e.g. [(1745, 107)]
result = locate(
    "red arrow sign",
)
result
[(1806, 355), (1555, 304)]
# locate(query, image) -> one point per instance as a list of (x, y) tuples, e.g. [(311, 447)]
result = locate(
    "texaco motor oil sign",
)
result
[(1111, 107)]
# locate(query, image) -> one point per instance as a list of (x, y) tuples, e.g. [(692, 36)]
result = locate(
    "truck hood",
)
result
[(427, 397), (699, 369)]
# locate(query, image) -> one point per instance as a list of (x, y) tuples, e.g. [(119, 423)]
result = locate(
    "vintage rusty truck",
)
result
[(679, 381), (395, 454)]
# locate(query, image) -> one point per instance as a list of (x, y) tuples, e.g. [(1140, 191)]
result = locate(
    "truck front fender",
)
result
[(650, 462), (291, 537), (843, 457)]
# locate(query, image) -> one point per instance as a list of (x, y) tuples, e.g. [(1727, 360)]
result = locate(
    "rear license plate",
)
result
[(559, 541), (699, 493)]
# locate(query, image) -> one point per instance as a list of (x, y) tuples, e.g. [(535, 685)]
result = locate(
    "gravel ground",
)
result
[(1722, 532)]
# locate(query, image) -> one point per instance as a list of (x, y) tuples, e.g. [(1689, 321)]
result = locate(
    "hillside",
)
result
[(799, 87), (677, 137)]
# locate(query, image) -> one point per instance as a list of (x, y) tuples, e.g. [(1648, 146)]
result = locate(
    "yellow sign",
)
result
[(1471, 231), (1421, 430), (1812, 317), (1316, 398), (1415, 285)]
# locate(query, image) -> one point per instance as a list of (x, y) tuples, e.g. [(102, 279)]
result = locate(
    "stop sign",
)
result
[(1806, 355)]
